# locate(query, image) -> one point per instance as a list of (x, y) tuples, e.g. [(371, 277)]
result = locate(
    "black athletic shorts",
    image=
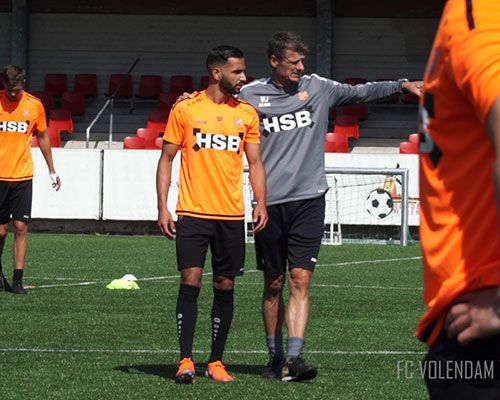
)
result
[(291, 237), (453, 371), (226, 240), (15, 201)]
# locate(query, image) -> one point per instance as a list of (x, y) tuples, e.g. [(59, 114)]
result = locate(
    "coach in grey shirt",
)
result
[(293, 112)]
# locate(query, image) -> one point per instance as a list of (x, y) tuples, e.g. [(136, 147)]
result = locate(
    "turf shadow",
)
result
[(167, 371)]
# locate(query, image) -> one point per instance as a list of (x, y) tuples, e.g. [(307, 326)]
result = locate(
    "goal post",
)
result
[(362, 204), (367, 197)]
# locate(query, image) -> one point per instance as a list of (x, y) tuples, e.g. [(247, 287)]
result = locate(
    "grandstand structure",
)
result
[(89, 43)]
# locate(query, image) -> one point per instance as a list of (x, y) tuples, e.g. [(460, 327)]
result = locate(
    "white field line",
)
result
[(158, 278), (175, 351)]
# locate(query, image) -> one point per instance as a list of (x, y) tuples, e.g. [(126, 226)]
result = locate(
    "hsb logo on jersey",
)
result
[(287, 122), (217, 141), (14, 126)]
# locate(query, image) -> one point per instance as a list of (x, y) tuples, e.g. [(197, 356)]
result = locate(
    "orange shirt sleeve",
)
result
[(253, 134), (475, 63), (174, 131)]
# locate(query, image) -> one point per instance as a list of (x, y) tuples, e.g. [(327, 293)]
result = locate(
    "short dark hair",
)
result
[(283, 41), (219, 55), (13, 75)]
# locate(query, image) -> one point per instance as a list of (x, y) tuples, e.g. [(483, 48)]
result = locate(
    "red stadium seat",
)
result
[(74, 102), (54, 137), (157, 120), (347, 125), (150, 87), (126, 90), (355, 81), (336, 143), (360, 111), (86, 84), (408, 148), (167, 100), (34, 141), (57, 84), (204, 82), (159, 142), (47, 99), (60, 119), (414, 138), (133, 142), (181, 83), (410, 98), (149, 137)]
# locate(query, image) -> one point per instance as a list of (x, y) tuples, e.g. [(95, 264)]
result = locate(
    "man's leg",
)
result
[(20, 251), (228, 260), (4, 285), (454, 371), (187, 309), (270, 249), (297, 312), (304, 242), (273, 314), (191, 248), (222, 314)]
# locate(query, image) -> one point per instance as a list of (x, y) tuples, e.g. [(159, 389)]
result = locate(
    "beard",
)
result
[(228, 87)]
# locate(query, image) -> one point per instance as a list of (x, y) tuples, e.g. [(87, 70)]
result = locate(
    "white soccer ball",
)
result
[(379, 203)]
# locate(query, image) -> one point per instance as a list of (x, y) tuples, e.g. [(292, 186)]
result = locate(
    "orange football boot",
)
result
[(186, 372), (217, 371)]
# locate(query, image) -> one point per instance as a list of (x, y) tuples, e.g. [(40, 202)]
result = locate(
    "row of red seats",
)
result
[(144, 139), (149, 85)]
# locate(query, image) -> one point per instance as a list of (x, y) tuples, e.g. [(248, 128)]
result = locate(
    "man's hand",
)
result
[(259, 218), (475, 315), (185, 96), (414, 87), (56, 181), (166, 224)]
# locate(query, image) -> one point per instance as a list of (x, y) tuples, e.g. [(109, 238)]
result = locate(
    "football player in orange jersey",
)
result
[(213, 130), (21, 115), (460, 203)]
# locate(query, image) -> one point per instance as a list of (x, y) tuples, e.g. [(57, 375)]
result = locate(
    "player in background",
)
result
[(460, 202), (21, 116), (213, 130), (293, 108)]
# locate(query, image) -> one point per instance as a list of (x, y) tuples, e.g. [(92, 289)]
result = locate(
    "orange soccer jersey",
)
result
[(459, 228), (18, 121), (212, 138)]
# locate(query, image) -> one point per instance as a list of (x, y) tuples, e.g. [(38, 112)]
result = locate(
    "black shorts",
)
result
[(292, 236), (15, 201), (226, 240), (453, 371)]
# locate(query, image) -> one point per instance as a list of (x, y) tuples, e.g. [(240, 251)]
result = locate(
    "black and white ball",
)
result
[(379, 203)]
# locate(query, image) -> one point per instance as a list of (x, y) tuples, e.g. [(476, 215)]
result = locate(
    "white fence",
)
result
[(120, 184)]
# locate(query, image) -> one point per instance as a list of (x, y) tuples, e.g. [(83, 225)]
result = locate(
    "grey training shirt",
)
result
[(294, 122)]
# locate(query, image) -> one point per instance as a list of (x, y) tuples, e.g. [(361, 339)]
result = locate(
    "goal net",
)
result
[(362, 204)]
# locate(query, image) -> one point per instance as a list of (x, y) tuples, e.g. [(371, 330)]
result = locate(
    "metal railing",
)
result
[(109, 102)]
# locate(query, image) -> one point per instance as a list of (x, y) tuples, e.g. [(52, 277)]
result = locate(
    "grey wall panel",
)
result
[(381, 47), (167, 45), (4, 38)]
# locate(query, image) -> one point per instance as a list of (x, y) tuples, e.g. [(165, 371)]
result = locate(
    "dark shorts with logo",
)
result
[(15, 201), (453, 371), (225, 238), (292, 236)]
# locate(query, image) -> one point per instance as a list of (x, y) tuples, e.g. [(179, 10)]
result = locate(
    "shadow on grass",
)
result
[(167, 371)]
